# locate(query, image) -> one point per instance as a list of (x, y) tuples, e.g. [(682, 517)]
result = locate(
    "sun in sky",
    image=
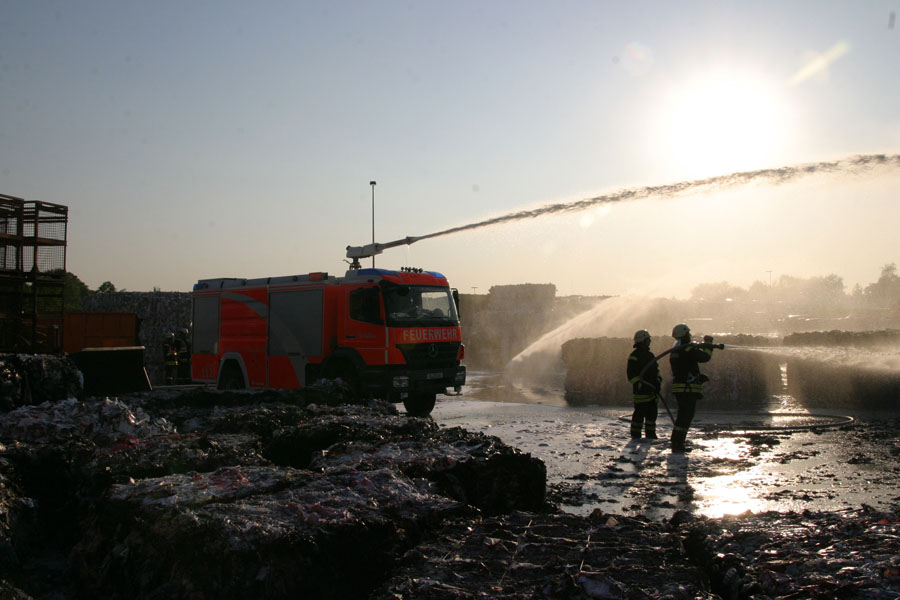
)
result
[(721, 122)]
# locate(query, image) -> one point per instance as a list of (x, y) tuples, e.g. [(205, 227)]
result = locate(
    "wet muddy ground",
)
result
[(787, 458), (737, 463), (788, 504)]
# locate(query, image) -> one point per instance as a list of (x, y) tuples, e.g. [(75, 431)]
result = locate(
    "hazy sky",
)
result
[(198, 139)]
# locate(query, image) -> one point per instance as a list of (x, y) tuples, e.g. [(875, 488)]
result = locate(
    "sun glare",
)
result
[(722, 123)]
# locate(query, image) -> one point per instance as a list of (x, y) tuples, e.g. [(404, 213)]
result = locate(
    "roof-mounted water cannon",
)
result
[(354, 253)]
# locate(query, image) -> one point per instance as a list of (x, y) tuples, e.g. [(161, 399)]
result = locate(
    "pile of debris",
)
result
[(159, 314), (552, 556), (845, 554), (234, 495), (201, 494), (35, 378), (850, 554)]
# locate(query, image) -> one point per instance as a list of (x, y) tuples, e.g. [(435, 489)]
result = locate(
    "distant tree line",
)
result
[(811, 291), (75, 291)]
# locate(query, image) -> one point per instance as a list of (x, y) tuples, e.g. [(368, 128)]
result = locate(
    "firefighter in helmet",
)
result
[(643, 374), (183, 349), (687, 380), (170, 350)]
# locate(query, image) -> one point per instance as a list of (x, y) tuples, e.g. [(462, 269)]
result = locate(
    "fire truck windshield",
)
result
[(420, 305)]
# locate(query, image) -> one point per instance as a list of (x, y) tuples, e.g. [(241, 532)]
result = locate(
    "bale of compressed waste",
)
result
[(817, 383), (159, 314), (180, 495), (553, 556), (844, 369), (884, 338), (740, 379), (262, 532), (595, 371), (18, 522), (27, 379), (846, 554)]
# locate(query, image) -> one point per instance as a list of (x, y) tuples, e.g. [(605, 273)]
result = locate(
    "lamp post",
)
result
[(372, 183)]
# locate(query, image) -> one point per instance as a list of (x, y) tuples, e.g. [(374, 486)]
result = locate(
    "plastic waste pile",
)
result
[(550, 556), (35, 378), (849, 554), (234, 495), (845, 554), (220, 495), (102, 422)]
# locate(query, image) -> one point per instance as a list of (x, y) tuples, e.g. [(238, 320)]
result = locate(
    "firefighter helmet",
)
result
[(641, 336), (680, 330)]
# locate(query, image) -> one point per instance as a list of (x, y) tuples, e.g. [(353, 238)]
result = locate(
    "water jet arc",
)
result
[(775, 176)]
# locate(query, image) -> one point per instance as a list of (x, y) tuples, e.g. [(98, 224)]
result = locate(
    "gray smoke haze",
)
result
[(853, 165)]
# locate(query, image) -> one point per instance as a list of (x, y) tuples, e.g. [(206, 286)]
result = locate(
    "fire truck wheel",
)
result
[(419, 405), (346, 372), (232, 379)]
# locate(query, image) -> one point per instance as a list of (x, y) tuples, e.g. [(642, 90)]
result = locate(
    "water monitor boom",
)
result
[(354, 253)]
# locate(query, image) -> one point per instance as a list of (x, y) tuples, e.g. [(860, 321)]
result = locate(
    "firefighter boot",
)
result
[(678, 436), (637, 422), (650, 425)]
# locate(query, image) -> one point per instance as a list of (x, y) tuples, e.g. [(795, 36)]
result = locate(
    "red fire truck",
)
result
[(388, 334)]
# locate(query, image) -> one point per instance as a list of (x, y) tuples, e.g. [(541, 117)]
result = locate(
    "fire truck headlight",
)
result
[(401, 382)]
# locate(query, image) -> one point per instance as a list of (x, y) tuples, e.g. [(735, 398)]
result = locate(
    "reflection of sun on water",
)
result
[(729, 494)]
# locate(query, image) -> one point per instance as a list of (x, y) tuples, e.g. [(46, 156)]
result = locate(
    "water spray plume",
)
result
[(619, 316), (847, 166)]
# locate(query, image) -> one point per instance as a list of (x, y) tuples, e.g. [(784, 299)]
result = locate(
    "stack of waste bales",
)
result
[(743, 377), (27, 379), (159, 313), (595, 374), (840, 369), (206, 494), (595, 371)]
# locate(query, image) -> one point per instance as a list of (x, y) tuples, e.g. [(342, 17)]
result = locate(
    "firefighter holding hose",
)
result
[(687, 380), (643, 374)]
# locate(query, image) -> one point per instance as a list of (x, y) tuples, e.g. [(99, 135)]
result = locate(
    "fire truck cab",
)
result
[(388, 334)]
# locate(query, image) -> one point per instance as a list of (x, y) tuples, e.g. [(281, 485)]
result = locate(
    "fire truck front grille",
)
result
[(430, 354)]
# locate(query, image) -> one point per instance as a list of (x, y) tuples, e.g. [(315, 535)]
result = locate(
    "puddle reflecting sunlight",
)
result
[(726, 488), (729, 495)]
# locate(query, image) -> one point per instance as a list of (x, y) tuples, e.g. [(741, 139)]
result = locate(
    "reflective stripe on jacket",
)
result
[(685, 362), (643, 387)]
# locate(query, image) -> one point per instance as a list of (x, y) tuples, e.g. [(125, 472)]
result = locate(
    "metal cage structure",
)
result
[(33, 240)]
